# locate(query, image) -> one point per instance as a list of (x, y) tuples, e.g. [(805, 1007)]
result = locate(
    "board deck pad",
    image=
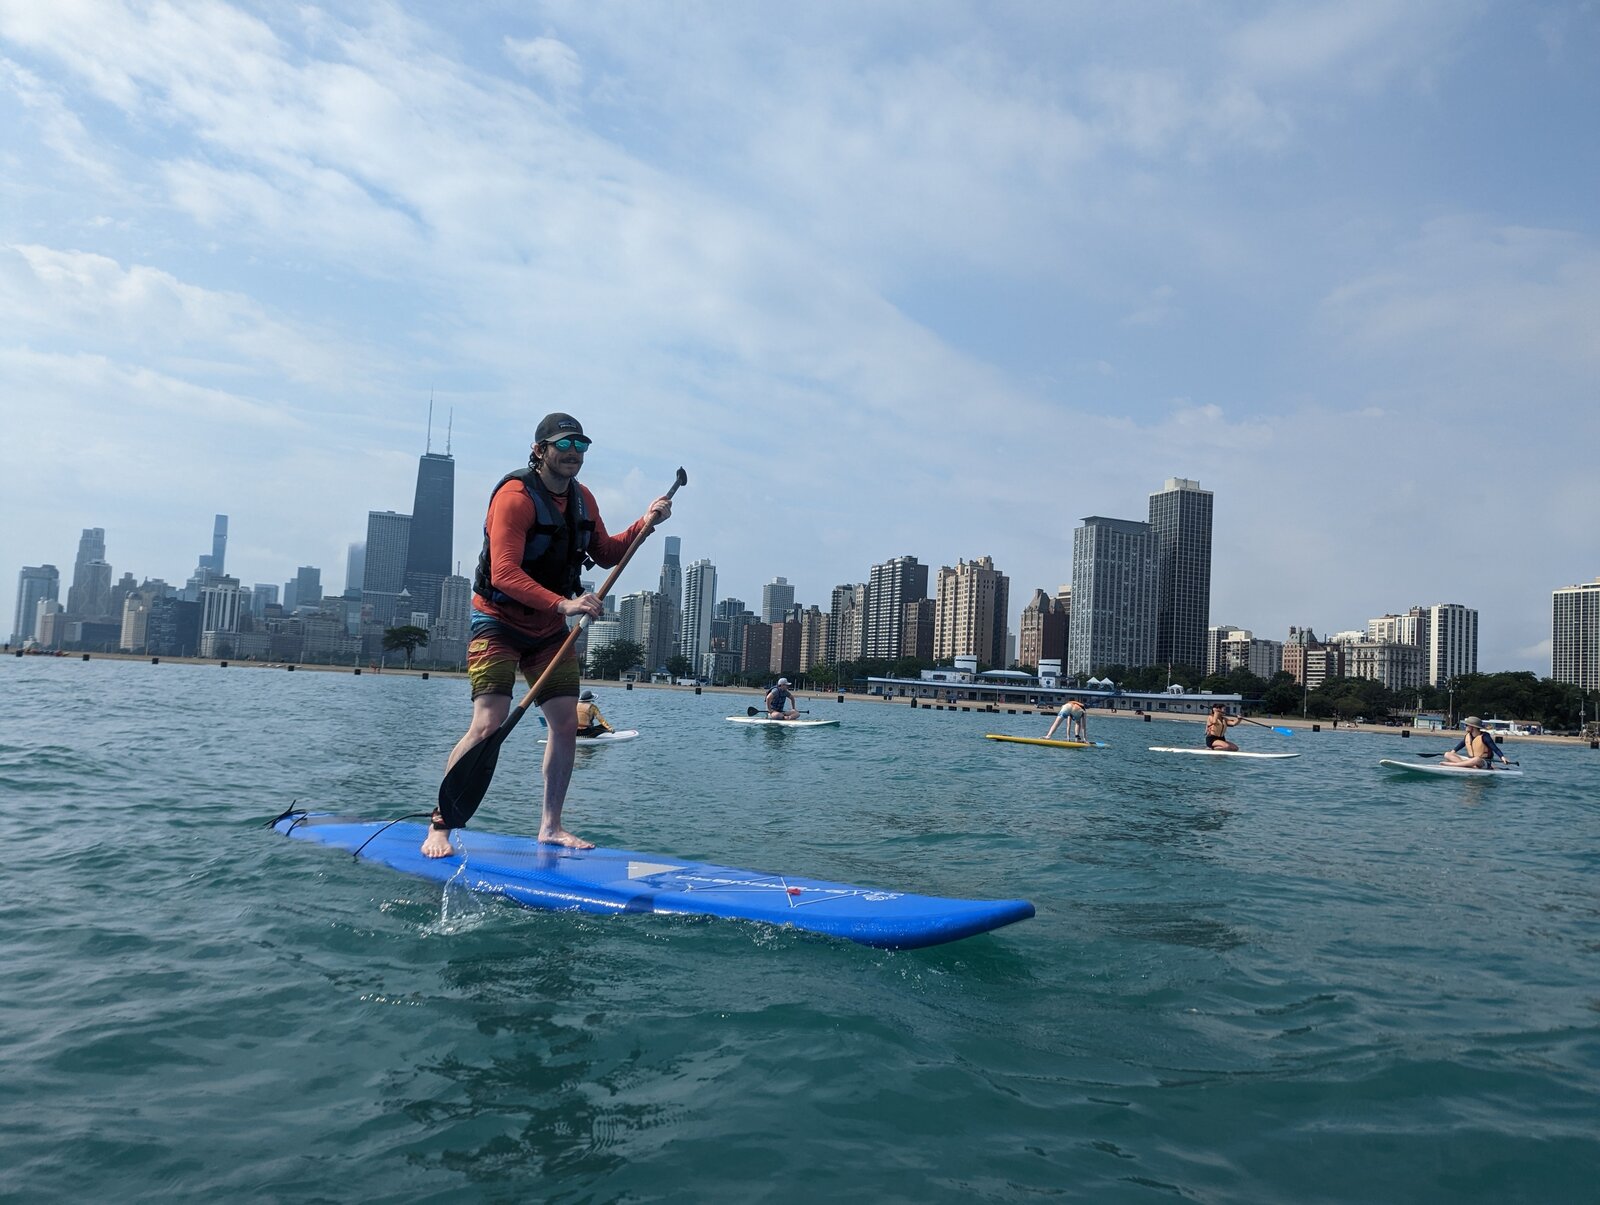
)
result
[(611, 881), (767, 721), (1039, 740), (1443, 771), (1221, 752)]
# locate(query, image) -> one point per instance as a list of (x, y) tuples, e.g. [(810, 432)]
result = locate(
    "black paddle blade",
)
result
[(751, 710), (682, 479), (467, 782)]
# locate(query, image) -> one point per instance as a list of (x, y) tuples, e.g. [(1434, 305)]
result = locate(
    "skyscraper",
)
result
[(847, 624), (671, 589), (1180, 520), (216, 558), (1044, 630), (307, 586), (1452, 642), (455, 607), (1575, 635), (777, 596), (1114, 578), (970, 613), (699, 598), (644, 621), (383, 575), (429, 544), (813, 639), (890, 586), (262, 596), (34, 583), (89, 596), (219, 615), (355, 568)]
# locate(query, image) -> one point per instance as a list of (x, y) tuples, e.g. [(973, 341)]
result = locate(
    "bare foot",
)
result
[(562, 837), (437, 844)]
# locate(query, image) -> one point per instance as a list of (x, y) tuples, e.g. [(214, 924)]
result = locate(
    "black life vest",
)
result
[(557, 546)]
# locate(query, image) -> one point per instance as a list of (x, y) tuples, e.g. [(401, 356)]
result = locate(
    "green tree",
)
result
[(1349, 697), (680, 666), (407, 637), (1241, 682), (906, 667), (1282, 695), (823, 676), (615, 659)]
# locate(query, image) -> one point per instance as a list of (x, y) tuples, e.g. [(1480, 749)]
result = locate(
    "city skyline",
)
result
[(882, 281), (1138, 617)]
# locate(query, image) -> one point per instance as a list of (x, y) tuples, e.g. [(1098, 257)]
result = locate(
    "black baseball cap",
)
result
[(554, 426)]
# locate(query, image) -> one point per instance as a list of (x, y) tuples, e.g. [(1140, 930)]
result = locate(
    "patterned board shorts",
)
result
[(496, 652)]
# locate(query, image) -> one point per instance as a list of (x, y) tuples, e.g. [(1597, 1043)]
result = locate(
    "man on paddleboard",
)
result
[(541, 529), (590, 722), (1477, 749), (1217, 726), (1072, 711), (780, 702)]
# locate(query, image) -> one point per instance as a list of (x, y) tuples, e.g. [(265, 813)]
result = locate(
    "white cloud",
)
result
[(1359, 44), (547, 59), (50, 295), (1508, 307)]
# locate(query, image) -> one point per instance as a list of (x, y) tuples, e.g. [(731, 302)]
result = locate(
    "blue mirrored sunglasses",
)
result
[(567, 443)]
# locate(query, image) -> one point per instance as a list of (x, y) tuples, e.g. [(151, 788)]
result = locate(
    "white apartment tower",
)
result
[(1452, 642), (699, 598), (1575, 635)]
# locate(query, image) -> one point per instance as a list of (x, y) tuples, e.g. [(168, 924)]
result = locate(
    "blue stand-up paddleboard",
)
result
[(536, 875)]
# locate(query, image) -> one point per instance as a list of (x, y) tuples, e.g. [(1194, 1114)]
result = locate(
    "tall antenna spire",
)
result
[(448, 427), (429, 447)]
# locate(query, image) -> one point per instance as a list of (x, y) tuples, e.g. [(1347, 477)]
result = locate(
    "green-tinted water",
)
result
[(1306, 981)]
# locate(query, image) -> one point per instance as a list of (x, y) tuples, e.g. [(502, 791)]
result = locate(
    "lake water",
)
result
[(1296, 981)]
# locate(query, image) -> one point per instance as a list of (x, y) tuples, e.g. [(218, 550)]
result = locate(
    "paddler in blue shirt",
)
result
[(1477, 749), (780, 702), (1072, 711)]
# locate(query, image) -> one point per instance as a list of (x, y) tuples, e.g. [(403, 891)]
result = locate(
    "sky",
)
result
[(933, 279)]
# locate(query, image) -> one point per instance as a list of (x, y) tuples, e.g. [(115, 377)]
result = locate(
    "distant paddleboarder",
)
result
[(1477, 749), (590, 722), (780, 702), (1076, 716), (1217, 725)]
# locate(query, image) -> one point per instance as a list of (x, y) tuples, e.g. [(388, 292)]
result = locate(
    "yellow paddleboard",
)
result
[(1039, 740)]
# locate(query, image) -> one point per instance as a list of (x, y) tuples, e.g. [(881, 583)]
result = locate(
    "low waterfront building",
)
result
[(958, 685)]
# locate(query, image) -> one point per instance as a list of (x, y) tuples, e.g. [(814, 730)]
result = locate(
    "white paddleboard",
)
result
[(1447, 771), (1221, 753), (771, 723), (605, 738)]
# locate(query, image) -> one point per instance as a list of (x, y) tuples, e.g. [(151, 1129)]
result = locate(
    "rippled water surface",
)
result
[(1299, 981)]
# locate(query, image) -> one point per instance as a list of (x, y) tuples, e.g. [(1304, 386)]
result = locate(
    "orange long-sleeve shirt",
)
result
[(535, 609)]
